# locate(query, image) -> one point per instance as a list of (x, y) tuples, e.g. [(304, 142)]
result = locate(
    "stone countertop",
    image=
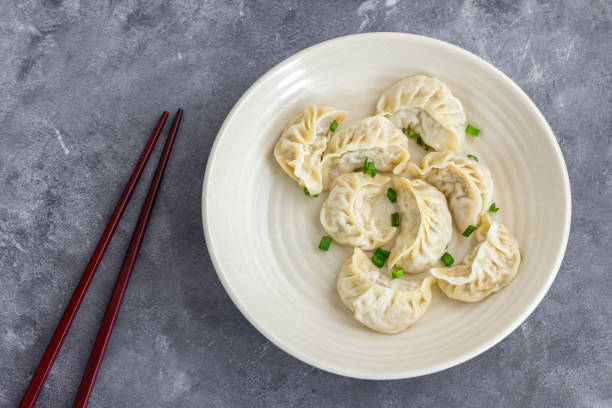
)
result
[(81, 84)]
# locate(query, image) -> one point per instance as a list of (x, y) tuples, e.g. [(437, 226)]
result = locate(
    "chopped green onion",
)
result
[(334, 125), (471, 156), (522, 257), (325, 243), (397, 273), (365, 165), (493, 208), (395, 219), (447, 259), (382, 252), (378, 260), (412, 133), (404, 131), (372, 169), (420, 140), (472, 130), (468, 231), (391, 195)]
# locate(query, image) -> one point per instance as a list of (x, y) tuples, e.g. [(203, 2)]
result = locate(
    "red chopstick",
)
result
[(44, 367), (112, 310)]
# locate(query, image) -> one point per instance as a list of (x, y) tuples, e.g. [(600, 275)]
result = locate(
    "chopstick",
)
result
[(112, 310), (48, 358)]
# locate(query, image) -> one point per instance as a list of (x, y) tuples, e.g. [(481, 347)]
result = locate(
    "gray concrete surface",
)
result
[(82, 82)]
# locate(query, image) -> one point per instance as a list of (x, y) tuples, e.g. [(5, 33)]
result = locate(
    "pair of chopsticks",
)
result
[(112, 309)]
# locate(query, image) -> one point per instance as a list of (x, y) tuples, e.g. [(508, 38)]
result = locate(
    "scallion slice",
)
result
[(471, 156), (468, 231), (383, 252), (447, 259), (334, 125), (395, 219), (365, 165), (306, 191), (412, 133), (522, 257), (420, 140), (397, 273), (372, 169), (325, 243), (378, 260), (493, 208), (391, 195), (474, 131)]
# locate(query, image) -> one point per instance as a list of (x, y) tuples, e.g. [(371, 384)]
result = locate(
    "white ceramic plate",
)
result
[(262, 232)]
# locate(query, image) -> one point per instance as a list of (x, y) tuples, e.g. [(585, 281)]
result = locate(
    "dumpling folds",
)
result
[(491, 266), (427, 106), (383, 304), (347, 214), (375, 138), (467, 185), (301, 145), (425, 227)]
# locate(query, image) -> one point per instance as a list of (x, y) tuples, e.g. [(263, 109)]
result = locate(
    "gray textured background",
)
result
[(81, 84)]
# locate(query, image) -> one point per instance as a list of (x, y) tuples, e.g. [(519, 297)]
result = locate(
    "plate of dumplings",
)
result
[(385, 205)]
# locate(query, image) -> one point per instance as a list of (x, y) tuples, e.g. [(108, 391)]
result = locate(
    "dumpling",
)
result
[(425, 227), (425, 105), (302, 143), (347, 214), (383, 304), (467, 185), (491, 266), (373, 137)]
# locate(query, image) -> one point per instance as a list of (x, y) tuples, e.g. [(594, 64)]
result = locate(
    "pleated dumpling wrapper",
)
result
[(300, 148), (490, 267), (427, 106), (425, 226), (374, 138), (379, 302), (467, 185), (347, 215)]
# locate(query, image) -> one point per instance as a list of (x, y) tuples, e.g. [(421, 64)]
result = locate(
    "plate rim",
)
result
[(408, 373)]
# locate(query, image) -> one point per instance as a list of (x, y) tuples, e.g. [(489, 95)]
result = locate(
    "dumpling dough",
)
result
[(302, 143), (467, 185), (425, 226), (425, 105), (347, 214), (383, 304), (373, 137), (491, 266)]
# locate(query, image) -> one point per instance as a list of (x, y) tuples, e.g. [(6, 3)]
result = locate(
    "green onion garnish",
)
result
[(447, 259), (395, 219), (419, 140), (365, 165), (325, 243), (372, 169), (471, 156), (378, 260), (397, 273), (412, 133), (522, 257), (391, 195), (472, 130), (334, 125), (493, 208), (468, 231), (404, 131)]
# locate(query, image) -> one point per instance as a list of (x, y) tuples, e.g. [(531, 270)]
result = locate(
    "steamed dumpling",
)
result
[(302, 143), (491, 266), (347, 214), (467, 185), (373, 137), (425, 227), (425, 105), (383, 304)]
